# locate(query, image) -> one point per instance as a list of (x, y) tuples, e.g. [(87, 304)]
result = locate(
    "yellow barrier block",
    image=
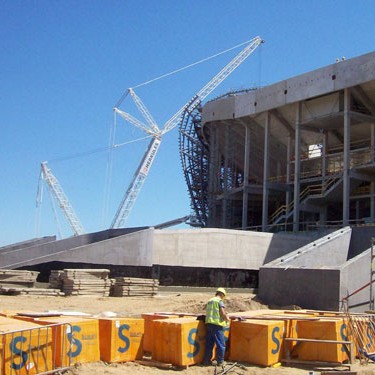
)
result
[(76, 342), (149, 319), (121, 339), (25, 348), (258, 342), (333, 329), (364, 329), (179, 341)]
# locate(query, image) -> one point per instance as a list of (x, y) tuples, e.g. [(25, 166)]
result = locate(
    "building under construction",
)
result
[(281, 180), (293, 156)]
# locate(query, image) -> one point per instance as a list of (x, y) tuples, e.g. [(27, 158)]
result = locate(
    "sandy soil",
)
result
[(176, 301)]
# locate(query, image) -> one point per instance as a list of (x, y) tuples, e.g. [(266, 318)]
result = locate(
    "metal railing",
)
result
[(311, 190), (38, 350)]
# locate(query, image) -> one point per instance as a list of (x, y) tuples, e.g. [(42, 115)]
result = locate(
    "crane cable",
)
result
[(39, 200), (57, 222), (109, 168), (122, 98)]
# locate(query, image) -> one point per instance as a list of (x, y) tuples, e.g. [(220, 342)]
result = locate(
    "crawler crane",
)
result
[(156, 133), (58, 193)]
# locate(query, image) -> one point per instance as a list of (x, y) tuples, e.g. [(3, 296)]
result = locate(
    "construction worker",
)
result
[(216, 319)]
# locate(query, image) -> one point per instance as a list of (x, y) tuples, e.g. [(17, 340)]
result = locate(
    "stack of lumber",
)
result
[(80, 282), (22, 282), (55, 279), (14, 291), (132, 286), (18, 278)]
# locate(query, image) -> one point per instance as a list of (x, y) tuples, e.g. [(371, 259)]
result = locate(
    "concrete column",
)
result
[(357, 211), (323, 212), (324, 155), (323, 217), (288, 170), (297, 166), (372, 184), (245, 193), (265, 172), (213, 176), (346, 171), (224, 211)]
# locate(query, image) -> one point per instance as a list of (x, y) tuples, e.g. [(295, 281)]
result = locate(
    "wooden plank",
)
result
[(315, 363), (339, 372), (317, 340), (149, 362)]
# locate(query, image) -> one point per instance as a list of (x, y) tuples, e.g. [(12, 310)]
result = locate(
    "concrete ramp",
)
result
[(27, 243), (318, 275), (99, 247), (195, 257), (223, 248)]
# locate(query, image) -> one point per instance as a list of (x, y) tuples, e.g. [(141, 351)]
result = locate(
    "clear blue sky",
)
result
[(64, 65)]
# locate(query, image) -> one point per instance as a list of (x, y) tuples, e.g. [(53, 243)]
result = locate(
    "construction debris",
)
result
[(132, 286)]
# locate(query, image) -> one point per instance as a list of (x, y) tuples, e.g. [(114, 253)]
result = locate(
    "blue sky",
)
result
[(64, 65)]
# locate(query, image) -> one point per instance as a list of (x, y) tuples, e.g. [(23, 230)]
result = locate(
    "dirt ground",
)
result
[(171, 301)]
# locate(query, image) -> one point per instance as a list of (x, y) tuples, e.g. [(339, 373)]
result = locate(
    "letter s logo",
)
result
[(193, 342), (75, 342), (275, 340), (343, 336), (369, 331), (13, 348), (123, 338)]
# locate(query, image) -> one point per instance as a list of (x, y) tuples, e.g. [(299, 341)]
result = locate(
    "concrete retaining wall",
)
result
[(222, 248), (58, 250), (355, 274), (28, 243), (319, 275)]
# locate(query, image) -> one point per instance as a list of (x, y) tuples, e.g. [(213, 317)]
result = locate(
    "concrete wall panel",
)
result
[(307, 288), (134, 248), (355, 274), (309, 276), (319, 82), (349, 74), (221, 248), (225, 111), (329, 251), (310, 84), (27, 243)]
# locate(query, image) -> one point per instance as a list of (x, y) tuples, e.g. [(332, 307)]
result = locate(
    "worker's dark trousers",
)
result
[(214, 335)]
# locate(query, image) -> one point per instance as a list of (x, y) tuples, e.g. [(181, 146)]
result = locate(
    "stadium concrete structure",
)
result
[(281, 180)]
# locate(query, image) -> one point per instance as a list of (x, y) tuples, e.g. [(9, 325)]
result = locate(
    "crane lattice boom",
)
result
[(152, 128), (213, 83), (136, 185), (61, 198)]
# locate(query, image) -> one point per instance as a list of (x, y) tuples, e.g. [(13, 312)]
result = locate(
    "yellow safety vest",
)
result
[(213, 312)]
